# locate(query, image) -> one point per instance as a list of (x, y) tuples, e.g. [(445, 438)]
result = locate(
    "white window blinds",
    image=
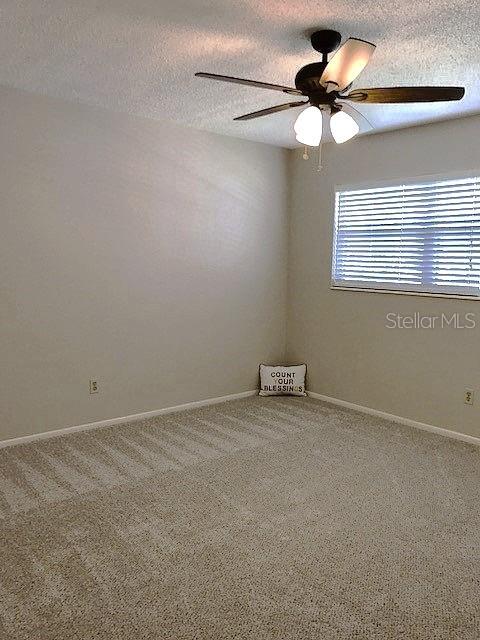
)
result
[(421, 237)]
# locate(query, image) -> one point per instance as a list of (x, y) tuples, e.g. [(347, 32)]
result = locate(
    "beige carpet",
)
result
[(261, 518)]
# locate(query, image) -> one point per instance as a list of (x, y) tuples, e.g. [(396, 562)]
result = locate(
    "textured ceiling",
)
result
[(139, 56)]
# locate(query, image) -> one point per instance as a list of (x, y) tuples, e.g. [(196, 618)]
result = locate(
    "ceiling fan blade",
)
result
[(406, 94), (249, 83), (266, 112), (347, 63)]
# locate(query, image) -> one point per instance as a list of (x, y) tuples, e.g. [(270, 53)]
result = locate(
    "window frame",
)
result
[(393, 182)]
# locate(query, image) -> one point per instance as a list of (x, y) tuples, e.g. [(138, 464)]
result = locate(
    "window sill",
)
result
[(452, 296)]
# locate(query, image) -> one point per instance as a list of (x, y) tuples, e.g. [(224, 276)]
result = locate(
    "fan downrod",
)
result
[(325, 41), (308, 77)]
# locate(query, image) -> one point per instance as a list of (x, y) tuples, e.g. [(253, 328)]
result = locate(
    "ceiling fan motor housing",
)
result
[(307, 79)]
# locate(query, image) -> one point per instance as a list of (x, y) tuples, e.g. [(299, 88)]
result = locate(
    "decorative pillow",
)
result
[(282, 381)]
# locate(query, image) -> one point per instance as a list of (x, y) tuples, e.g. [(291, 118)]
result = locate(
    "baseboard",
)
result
[(236, 396), (399, 419), (131, 418)]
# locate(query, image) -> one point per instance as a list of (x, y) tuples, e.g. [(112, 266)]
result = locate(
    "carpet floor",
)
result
[(263, 518)]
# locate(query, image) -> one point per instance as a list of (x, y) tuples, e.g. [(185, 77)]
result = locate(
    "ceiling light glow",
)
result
[(308, 127), (343, 127)]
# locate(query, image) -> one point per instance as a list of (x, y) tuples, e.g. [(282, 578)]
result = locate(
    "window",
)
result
[(419, 237)]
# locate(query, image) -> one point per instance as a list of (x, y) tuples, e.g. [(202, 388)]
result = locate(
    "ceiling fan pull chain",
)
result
[(305, 153), (320, 165)]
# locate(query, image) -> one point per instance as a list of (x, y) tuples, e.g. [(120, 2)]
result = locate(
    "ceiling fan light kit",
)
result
[(343, 127), (326, 85), (308, 127)]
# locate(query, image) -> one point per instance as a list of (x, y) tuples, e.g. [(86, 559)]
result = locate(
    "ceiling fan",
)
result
[(326, 84)]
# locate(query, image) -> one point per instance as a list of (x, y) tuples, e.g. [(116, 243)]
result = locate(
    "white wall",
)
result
[(154, 258), (342, 335), (148, 256)]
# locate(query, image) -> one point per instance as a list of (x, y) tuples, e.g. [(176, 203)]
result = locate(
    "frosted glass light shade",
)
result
[(343, 127), (308, 127)]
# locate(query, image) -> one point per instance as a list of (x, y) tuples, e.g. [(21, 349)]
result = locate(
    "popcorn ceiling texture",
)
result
[(258, 519), (140, 57)]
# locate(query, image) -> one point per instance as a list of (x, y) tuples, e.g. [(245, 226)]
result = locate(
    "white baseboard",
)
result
[(399, 419), (235, 396), (131, 418)]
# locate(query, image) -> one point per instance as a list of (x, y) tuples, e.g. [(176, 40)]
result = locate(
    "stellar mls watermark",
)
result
[(419, 321)]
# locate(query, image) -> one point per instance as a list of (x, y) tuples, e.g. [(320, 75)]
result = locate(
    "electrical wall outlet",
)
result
[(468, 398), (93, 386)]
